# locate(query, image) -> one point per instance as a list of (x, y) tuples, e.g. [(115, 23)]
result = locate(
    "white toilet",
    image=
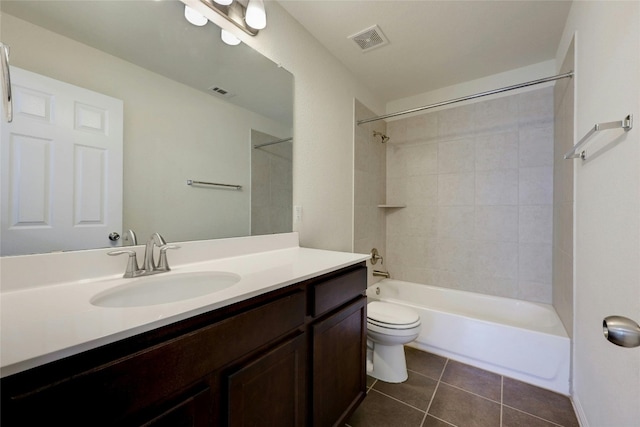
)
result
[(389, 327)]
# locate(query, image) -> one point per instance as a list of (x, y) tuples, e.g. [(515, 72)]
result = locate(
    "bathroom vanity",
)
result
[(293, 355)]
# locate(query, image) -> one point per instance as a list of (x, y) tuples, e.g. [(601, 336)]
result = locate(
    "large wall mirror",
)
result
[(182, 105)]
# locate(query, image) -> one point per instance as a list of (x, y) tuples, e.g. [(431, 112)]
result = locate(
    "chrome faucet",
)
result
[(382, 274), (132, 269), (149, 263), (131, 238), (149, 267)]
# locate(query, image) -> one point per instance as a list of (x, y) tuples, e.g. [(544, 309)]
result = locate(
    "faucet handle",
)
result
[(163, 264), (132, 269), (375, 256), (130, 235), (158, 239)]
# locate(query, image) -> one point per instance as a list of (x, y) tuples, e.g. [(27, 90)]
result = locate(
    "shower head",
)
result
[(383, 138)]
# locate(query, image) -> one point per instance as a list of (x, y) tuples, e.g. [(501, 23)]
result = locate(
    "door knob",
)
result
[(621, 331), (113, 236)]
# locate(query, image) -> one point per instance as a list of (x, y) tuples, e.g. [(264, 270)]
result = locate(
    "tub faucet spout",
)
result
[(381, 274)]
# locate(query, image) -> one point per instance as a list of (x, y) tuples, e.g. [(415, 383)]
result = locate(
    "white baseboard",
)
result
[(582, 417)]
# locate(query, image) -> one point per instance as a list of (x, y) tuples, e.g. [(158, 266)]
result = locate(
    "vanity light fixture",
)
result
[(194, 17), (256, 17), (229, 38), (248, 15)]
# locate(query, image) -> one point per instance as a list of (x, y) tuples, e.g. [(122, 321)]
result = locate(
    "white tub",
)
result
[(518, 339)]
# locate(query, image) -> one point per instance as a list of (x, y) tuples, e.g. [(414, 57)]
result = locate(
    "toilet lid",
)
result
[(391, 314)]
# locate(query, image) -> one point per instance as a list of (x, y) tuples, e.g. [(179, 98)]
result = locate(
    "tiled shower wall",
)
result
[(369, 188), (477, 182), (271, 185), (563, 199)]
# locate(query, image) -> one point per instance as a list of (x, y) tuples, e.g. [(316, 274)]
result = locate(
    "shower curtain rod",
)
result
[(465, 98), (264, 144)]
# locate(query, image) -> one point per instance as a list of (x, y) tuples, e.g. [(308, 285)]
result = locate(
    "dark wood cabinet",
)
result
[(192, 411), (270, 391), (339, 354), (293, 357)]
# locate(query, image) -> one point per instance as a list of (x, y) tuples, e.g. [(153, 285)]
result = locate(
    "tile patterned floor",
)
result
[(442, 393)]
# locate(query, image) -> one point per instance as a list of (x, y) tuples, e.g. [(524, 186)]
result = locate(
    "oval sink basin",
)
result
[(162, 289)]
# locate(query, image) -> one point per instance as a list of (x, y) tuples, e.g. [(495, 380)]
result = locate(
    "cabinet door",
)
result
[(192, 411), (270, 390), (339, 363)]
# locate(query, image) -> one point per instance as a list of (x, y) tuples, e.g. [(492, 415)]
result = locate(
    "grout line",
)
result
[(423, 375), (534, 416), (442, 421), (439, 381), (470, 392), (501, 397), (446, 362), (398, 400)]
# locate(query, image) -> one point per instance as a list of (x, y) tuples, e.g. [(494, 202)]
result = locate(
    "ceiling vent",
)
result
[(217, 90), (370, 38)]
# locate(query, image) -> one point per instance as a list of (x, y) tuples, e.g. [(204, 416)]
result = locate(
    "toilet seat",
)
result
[(389, 328), (391, 316)]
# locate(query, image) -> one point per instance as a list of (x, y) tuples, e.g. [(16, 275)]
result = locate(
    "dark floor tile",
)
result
[(470, 378), (378, 410), (370, 381), (434, 422), (464, 409), (539, 402), (416, 391), (424, 363), (514, 418)]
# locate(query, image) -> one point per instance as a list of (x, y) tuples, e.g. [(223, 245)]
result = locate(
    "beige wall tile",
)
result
[(456, 156), (536, 186), (535, 262), (456, 222), (497, 151), (456, 189), (496, 259), (478, 196), (536, 224), (536, 146), (498, 187), (496, 223)]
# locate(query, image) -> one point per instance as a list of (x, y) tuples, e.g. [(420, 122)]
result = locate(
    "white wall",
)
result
[(323, 126), (606, 378)]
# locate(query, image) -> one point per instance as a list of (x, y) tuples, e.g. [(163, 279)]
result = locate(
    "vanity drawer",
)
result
[(116, 391), (335, 291)]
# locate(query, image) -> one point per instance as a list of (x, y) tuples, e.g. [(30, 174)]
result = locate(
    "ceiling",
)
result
[(434, 44)]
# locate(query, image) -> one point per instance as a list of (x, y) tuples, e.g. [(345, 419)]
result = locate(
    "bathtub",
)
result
[(518, 339)]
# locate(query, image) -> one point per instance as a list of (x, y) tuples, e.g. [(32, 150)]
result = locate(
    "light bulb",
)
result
[(224, 2), (195, 17), (229, 38), (256, 17)]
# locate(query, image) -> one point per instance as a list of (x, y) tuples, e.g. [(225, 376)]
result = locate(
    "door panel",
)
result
[(61, 167)]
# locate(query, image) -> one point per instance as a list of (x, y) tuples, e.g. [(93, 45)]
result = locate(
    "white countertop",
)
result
[(41, 324)]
